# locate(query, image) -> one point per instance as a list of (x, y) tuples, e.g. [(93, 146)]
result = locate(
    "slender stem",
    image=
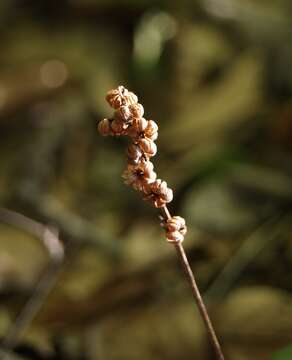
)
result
[(50, 239), (31, 308), (48, 235), (196, 292), (202, 308)]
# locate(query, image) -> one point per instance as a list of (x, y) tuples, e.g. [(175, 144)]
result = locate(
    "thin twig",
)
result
[(74, 229), (196, 292), (31, 308), (48, 235), (50, 239), (265, 235)]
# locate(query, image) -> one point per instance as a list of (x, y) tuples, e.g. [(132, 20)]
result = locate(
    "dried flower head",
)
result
[(158, 193), (128, 120), (139, 175)]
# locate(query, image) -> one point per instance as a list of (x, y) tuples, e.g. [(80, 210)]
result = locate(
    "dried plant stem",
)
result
[(128, 120), (196, 292)]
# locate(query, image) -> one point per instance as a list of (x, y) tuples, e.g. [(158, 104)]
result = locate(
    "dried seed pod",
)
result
[(141, 128), (134, 154), (136, 130), (104, 127), (139, 175), (118, 127), (121, 96), (124, 113), (151, 131), (175, 229), (175, 223), (140, 124), (174, 236), (137, 110), (116, 97), (159, 186), (130, 112), (131, 98), (158, 193), (147, 146)]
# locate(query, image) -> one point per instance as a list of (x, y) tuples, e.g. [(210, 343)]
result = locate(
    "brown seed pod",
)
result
[(118, 127), (158, 193), (141, 128), (116, 97), (134, 154), (174, 236), (140, 125), (175, 229), (124, 113), (147, 146), (128, 113), (137, 110), (160, 187), (151, 131), (136, 130), (121, 96), (131, 98), (175, 223), (104, 127), (139, 175)]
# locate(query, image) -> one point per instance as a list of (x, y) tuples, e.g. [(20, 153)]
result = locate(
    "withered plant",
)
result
[(128, 120)]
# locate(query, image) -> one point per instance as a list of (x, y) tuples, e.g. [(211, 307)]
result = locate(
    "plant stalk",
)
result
[(196, 292)]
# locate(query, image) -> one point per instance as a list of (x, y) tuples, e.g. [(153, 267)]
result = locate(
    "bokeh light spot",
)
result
[(53, 73)]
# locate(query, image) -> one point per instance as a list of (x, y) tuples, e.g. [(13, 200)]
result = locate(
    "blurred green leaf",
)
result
[(283, 354)]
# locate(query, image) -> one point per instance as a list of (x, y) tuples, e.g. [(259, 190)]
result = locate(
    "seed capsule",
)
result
[(128, 113), (104, 127), (151, 131), (121, 96), (175, 229), (136, 130), (137, 111), (116, 97), (147, 146), (118, 127), (131, 98), (158, 193), (134, 154), (139, 175), (124, 113)]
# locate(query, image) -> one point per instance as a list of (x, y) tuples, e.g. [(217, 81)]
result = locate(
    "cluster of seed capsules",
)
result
[(128, 120)]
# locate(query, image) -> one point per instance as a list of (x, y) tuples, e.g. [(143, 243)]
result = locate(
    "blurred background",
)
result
[(217, 77)]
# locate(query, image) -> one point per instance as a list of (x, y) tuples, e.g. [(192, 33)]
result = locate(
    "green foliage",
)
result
[(283, 354)]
